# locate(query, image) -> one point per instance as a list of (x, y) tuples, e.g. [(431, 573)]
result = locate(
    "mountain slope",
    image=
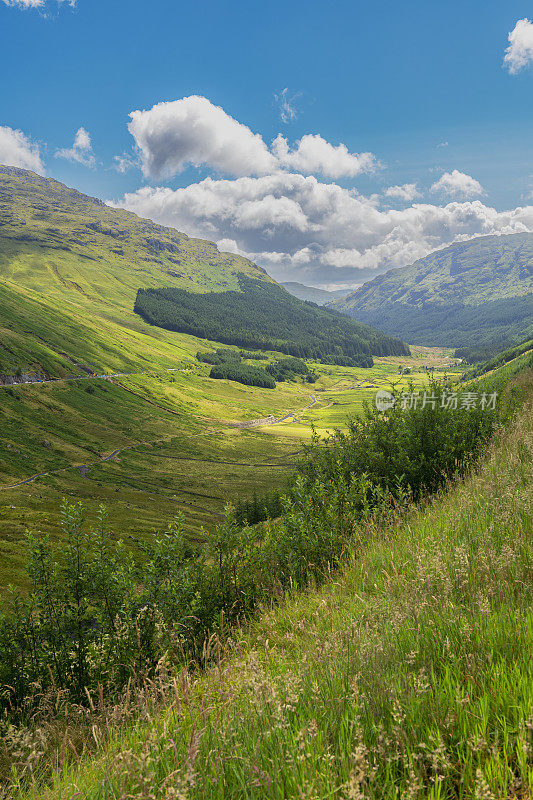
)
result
[(408, 670), (70, 271), (318, 296), (59, 240), (264, 316), (475, 292)]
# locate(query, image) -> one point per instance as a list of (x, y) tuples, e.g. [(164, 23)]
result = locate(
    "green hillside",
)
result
[(70, 271), (478, 292), (521, 353), (407, 674)]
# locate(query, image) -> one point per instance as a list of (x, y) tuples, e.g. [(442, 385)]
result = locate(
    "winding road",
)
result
[(119, 450)]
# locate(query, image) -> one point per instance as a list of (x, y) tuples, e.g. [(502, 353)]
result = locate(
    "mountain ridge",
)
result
[(468, 293), (70, 271), (312, 293)]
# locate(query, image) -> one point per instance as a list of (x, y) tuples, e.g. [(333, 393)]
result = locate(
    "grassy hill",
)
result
[(406, 674), (70, 271), (469, 294)]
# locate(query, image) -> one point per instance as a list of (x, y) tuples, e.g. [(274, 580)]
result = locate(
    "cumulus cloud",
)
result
[(407, 192), (287, 108), (520, 51), (173, 135), (457, 184), (25, 4), (313, 154), (17, 150), (300, 228), (81, 151), (192, 131)]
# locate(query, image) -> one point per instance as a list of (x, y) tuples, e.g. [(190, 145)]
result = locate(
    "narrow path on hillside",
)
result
[(40, 381), (293, 413), (119, 450)]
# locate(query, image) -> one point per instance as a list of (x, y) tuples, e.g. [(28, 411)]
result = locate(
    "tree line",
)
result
[(263, 316)]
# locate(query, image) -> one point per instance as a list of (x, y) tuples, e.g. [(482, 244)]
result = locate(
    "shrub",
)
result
[(243, 373), (286, 368), (220, 356), (95, 616), (413, 449)]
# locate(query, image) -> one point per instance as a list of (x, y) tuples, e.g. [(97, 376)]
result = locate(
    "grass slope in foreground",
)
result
[(471, 294), (408, 675)]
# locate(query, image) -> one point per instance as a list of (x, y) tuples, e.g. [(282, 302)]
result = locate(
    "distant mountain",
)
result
[(318, 296), (71, 268), (473, 293)]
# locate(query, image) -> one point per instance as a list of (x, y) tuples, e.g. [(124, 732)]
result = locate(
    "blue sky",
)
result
[(419, 85)]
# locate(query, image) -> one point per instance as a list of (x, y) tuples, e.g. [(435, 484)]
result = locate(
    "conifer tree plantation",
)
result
[(262, 316)]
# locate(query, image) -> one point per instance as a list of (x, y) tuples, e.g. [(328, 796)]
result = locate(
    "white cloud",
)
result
[(520, 51), (443, 144), (173, 135), (17, 150), (192, 131), (457, 184), (25, 4), (287, 109), (407, 192), (313, 154), (300, 228), (124, 162), (81, 151)]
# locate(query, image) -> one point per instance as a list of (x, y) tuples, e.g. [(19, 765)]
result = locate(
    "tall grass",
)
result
[(409, 675), (95, 617)]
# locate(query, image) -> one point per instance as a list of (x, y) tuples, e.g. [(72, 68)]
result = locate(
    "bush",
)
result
[(259, 508), (253, 355), (95, 616), (412, 449), (285, 369), (243, 373), (220, 356)]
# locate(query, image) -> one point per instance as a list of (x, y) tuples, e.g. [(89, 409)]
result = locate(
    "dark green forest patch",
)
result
[(262, 316)]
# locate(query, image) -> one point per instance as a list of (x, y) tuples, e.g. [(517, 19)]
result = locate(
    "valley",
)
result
[(119, 410), (266, 401), (151, 445)]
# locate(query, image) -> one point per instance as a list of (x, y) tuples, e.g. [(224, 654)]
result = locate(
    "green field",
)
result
[(180, 447), (406, 674)]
